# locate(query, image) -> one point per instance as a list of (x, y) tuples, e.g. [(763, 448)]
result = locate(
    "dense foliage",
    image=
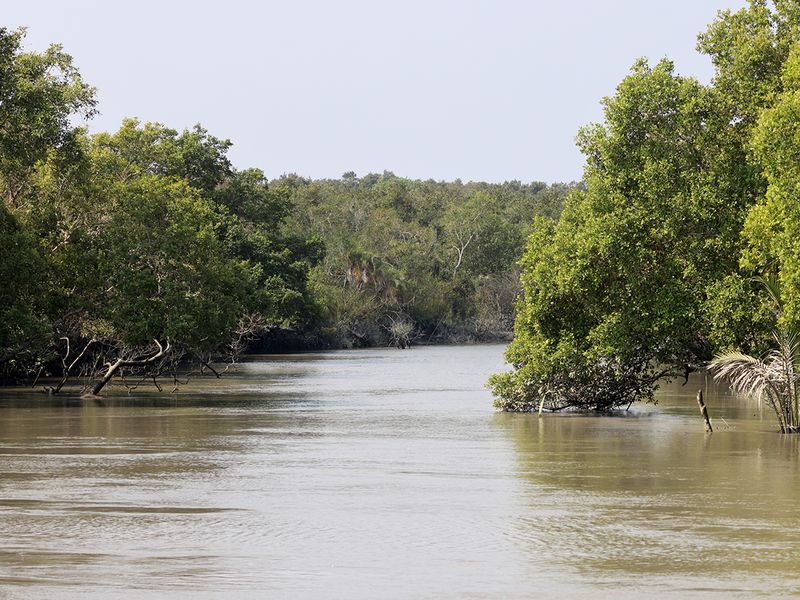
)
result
[(412, 259), (120, 249), (690, 195), (137, 252)]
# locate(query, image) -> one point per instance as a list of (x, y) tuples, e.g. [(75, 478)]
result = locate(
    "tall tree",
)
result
[(614, 292), (772, 229), (39, 94)]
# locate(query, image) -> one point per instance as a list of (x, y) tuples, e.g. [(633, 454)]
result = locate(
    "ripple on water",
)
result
[(386, 474)]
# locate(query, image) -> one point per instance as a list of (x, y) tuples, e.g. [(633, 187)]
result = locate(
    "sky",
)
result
[(471, 89)]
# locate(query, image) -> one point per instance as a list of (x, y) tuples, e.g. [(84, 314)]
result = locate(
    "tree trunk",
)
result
[(207, 365), (112, 370), (66, 369), (704, 412), (119, 363)]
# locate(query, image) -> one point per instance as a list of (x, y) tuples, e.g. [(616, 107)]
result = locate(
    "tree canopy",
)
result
[(114, 244), (649, 271), (137, 251)]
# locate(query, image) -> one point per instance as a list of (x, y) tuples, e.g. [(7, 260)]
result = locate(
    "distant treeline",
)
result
[(132, 254), (410, 260)]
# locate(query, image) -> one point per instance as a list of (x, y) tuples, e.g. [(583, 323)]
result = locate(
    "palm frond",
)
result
[(792, 342), (776, 376), (746, 374), (772, 284)]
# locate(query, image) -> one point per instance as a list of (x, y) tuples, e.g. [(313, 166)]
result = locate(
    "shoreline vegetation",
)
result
[(144, 253), (684, 246)]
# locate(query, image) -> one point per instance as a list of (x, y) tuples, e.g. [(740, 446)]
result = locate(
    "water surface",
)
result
[(386, 473)]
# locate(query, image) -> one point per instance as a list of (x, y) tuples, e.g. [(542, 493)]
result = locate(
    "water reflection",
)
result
[(648, 501), (386, 473)]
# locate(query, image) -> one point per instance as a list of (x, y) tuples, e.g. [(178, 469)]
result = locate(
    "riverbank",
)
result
[(342, 338)]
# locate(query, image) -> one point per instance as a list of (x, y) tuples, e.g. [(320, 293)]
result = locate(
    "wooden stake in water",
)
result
[(704, 411)]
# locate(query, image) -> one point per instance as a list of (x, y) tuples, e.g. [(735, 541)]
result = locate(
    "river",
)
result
[(387, 474)]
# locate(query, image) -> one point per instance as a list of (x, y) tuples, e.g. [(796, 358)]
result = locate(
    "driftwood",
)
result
[(704, 412), (66, 368), (121, 362)]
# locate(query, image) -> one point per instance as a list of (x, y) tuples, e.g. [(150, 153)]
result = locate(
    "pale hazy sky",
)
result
[(480, 90)]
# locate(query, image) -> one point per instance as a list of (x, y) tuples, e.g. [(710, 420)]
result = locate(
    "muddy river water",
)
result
[(387, 474)]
